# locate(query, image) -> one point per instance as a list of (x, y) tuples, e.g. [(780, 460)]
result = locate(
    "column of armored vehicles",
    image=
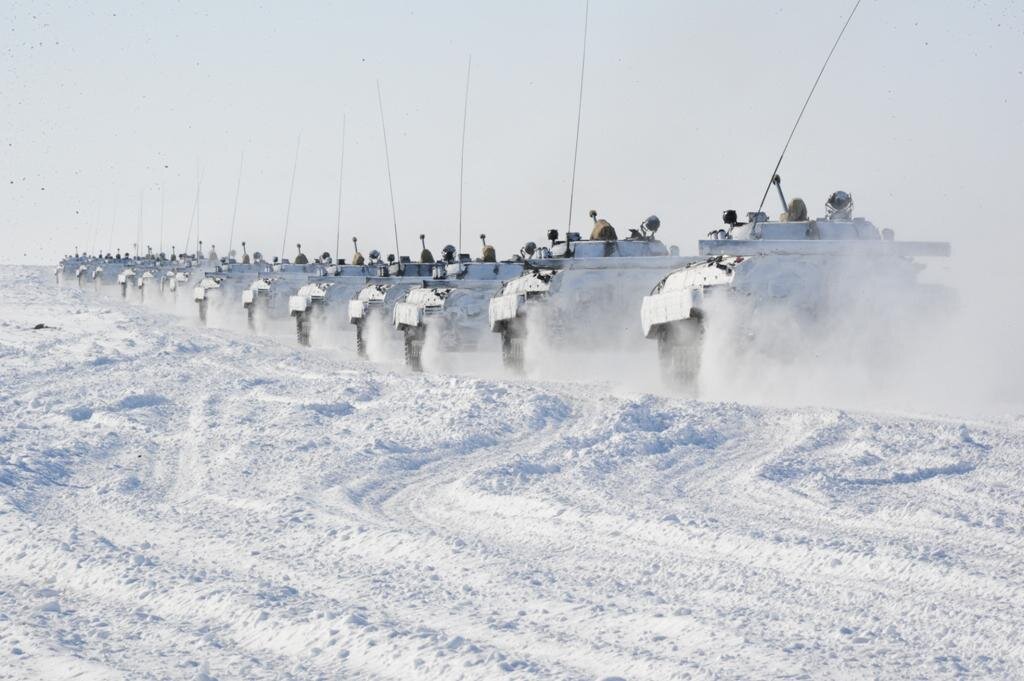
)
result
[(602, 294)]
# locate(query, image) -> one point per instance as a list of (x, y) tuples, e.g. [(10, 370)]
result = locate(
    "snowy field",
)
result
[(179, 502)]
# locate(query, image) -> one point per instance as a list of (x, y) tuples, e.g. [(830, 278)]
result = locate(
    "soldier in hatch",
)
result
[(797, 212), (425, 255), (488, 254), (357, 257), (603, 230)]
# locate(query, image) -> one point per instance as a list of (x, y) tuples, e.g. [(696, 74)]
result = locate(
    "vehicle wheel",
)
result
[(414, 339), (302, 327), (124, 290), (360, 340), (513, 346), (203, 304), (680, 345), (250, 316)]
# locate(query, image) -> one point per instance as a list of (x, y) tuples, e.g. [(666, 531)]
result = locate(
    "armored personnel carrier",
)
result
[(375, 301), (81, 271), (452, 304), (815, 270), (580, 293), (225, 280), (71, 266), (176, 275), (145, 280), (267, 296), (126, 279), (316, 298)]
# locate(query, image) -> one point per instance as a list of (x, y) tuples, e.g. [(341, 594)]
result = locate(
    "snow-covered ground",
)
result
[(183, 502)]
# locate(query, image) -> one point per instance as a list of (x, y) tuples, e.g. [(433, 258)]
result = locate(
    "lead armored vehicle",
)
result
[(761, 275)]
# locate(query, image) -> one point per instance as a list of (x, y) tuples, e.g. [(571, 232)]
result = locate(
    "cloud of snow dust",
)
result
[(873, 341), (383, 342)]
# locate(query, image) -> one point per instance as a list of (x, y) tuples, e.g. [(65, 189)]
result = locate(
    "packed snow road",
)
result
[(182, 502)]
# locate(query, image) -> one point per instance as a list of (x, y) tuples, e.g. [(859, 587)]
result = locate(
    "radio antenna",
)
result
[(462, 154), (807, 101), (387, 163), (96, 226), (579, 114), (194, 218), (113, 221), (199, 244), (138, 235), (163, 189), (341, 179), (291, 191), (234, 211)]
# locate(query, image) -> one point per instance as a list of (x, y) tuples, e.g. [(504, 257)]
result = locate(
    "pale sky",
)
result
[(686, 107)]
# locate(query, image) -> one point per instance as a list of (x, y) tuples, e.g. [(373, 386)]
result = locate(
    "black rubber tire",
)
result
[(360, 341), (302, 328), (203, 305), (250, 316), (124, 290), (680, 346), (414, 340)]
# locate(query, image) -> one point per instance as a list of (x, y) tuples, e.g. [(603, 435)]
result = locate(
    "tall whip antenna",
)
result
[(138, 235), (163, 189), (199, 244), (804, 107), (291, 191), (96, 226), (234, 211), (341, 179), (462, 154), (194, 218), (113, 221), (579, 114), (387, 162)]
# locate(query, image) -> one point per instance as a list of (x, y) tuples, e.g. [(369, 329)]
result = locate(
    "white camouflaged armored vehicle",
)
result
[(375, 301), (126, 279), (316, 299), (267, 296), (451, 304), (176, 275), (816, 271), (223, 282), (580, 294)]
